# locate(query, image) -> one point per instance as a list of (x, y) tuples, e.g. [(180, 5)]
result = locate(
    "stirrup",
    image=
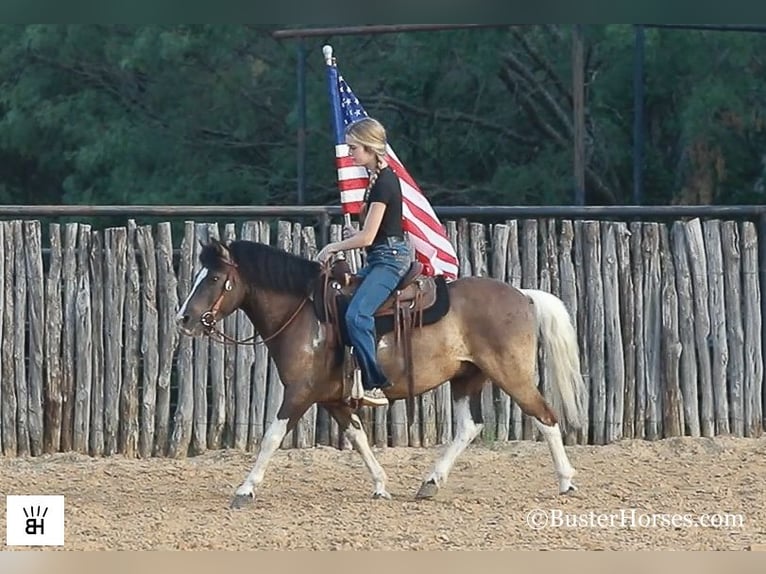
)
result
[(357, 390)]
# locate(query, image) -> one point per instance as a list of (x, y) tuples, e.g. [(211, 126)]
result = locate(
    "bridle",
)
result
[(208, 318)]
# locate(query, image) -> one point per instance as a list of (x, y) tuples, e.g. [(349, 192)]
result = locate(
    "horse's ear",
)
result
[(223, 251)]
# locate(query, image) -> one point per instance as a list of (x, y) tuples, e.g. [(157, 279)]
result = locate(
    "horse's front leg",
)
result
[(287, 418), (352, 427)]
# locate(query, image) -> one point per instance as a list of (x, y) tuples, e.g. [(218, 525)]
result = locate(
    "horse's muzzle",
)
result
[(186, 327)]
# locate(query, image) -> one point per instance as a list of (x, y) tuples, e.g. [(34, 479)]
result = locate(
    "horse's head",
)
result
[(217, 291)]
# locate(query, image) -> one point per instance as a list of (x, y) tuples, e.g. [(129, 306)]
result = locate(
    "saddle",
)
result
[(418, 300), (415, 291)]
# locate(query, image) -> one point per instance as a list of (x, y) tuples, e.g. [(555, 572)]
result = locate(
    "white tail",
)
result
[(562, 355)]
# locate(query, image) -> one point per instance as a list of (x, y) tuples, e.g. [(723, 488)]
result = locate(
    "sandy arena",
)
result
[(319, 499)]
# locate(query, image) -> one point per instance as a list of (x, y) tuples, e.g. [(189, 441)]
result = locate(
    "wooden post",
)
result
[(53, 318), (150, 345), (19, 318), (673, 413), (568, 288), (652, 334), (717, 309), (751, 292), (35, 349), (698, 267), (637, 269), (84, 344), (69, 342), (627, 320), (615, 361), (8, 379), (583, 435), (167, 301), (595, 325), (182, 419), (735, 336), (96, 264), (688, 360), (115, 258), (128, 439)]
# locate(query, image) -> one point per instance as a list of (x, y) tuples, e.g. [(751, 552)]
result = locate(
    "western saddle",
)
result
[(414, 294)]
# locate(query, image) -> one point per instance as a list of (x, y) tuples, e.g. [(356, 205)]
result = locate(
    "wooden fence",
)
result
[(668, 317)]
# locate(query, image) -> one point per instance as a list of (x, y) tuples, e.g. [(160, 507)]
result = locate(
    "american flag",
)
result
[(426, 234)]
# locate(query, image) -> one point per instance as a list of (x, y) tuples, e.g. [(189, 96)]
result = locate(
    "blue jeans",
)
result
[(386, 265)]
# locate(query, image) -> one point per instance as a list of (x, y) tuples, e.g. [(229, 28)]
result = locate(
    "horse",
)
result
[(491, 331)]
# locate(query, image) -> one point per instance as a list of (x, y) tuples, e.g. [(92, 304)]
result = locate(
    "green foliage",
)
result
[(203, 114)]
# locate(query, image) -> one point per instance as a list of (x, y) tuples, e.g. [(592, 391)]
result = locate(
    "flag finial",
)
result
[(327, 51)]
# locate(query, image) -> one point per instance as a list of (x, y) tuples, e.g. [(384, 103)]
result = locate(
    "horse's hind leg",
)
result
[(466, 430), (546, 422), (352, 427), (533, 404)]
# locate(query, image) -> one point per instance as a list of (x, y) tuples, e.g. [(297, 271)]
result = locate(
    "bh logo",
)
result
[(34, 520)]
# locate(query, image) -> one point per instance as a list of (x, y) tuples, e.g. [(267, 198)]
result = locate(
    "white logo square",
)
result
[(34, 520)]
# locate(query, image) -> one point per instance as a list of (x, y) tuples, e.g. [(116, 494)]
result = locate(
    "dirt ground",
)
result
[(319, 499)]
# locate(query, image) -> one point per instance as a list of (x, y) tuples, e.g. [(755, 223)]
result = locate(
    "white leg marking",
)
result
[(564, 469), (358, 439), (466, 431), (269, 445), (200, 276)]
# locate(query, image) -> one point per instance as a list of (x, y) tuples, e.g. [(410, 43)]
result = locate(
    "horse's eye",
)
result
[(215, 277)]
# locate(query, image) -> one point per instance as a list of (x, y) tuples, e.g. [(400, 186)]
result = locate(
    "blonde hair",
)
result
[(371, 134)]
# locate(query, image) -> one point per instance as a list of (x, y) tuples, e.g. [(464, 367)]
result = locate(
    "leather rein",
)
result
[(208, 319)]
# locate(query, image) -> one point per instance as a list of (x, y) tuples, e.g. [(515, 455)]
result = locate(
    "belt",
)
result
[(384, 241)]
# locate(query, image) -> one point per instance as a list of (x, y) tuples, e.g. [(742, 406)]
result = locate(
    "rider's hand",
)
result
[(348, 231), (326, 252)]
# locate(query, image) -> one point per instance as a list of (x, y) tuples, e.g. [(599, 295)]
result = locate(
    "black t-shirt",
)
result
[(388, 190)]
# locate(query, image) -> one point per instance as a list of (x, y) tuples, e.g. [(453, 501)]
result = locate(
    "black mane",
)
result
[(265, 266)]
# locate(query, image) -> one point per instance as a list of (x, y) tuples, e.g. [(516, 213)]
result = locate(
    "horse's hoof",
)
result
[(572, 488), (382, 495), (427, 490), (241, 500), (566, 485)]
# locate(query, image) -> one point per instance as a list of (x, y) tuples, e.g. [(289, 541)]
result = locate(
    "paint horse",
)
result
[(490, 331)]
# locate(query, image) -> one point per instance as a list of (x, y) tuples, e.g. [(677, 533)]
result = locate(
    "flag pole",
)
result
[(349, 362), (332, 76)]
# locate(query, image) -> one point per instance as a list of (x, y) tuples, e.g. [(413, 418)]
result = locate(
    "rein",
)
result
[(209, 322)]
